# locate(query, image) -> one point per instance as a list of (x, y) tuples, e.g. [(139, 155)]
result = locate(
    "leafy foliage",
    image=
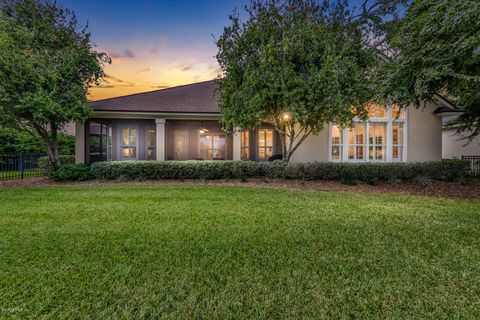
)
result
[(16, 141), (295, 64), (72, 172), (48, 64), (435, 49), (46, 166), (370, 173)]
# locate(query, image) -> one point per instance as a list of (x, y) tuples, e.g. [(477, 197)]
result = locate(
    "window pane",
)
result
[(360, 133), (150, 153), (379, 153), (351, 153), (370, 153), (151, 137), (269, 137), (376, 110), (398, 113), (351, 136), (397, 134), (261, 138), (336, 152), (126, 152), (360, 153), (397, 153), (336, 137), (269, 152), (379, 133), (205, 142), (261, 153), (245, 138), (133, 137), (125, 136), (133, 152)]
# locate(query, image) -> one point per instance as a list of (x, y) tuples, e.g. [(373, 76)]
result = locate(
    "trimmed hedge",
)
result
[(46, 166), (447, 170), (72, 172)]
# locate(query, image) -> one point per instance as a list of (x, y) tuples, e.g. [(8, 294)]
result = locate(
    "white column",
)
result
[(237, 145), (160, 140), (80, 142)]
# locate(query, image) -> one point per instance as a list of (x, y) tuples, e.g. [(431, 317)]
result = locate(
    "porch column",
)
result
[(160, 141), (237, 145), (80, 142)]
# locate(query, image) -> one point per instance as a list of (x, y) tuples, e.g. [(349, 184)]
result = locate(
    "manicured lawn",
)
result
[(235, 253)]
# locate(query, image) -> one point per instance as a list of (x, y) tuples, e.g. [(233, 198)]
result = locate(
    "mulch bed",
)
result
[(437, 189)]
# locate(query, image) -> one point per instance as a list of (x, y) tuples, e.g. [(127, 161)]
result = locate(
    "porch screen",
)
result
[(212, 146)]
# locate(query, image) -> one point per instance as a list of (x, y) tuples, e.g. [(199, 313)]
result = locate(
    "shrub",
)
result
[(423, 181), (46, 166), (371, 173), (72, 172)]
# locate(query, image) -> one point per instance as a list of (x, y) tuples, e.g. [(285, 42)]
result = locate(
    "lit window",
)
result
[(212, 146), (356, 142), (265, 144), (397, 142), (376, 110), (245, 145), (377, 143), (397, 112), (151, 138), (129, 144), (336, 143)]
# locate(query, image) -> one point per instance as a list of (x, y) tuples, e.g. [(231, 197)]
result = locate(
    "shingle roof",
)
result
[(191, 98)]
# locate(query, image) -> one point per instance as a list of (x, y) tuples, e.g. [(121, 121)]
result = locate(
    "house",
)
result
[(456, 146), (182, 123)]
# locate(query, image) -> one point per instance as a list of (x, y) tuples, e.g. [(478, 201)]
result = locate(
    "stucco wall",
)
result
[(453, 146), (314, 148), (424, 134)]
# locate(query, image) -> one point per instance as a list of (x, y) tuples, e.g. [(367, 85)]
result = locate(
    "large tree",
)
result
[(47, 66), (297, 64), (435, 49)]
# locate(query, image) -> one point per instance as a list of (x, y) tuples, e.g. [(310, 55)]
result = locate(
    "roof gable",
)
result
[(192, 98)]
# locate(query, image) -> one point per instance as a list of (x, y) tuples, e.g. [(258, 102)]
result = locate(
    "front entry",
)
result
[(180, 145)]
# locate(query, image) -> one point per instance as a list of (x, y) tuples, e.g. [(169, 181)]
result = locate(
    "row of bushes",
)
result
[(446, 170)]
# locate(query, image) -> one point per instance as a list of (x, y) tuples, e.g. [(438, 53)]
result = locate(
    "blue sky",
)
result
[(155, 43)]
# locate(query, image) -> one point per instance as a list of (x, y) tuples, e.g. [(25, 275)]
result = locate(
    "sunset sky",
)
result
[(154, 44)]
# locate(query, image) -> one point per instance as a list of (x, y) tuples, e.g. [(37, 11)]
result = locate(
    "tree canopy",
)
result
[(48, 64), (435, 49), (297, 65)]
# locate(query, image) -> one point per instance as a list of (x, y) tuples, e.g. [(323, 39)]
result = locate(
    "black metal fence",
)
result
[(19, 166), (474, 163)]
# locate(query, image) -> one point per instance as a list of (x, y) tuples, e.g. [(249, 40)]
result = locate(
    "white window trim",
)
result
[(119, 139), (389, 120)]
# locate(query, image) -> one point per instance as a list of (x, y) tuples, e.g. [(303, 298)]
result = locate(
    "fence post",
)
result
[(21, 163)]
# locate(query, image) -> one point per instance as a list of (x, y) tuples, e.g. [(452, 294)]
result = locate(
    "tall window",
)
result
[(356, 142), (397, 142), (381, 138), (337, 148), (129, 144), (151, 141), (265, 144), (377, 141), (212, 146), (245, 145)]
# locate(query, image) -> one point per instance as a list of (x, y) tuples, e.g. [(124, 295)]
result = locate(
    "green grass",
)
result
[(235, 253)]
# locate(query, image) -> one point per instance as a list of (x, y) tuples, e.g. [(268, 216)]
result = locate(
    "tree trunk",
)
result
[(53, 147), (294, 139)]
